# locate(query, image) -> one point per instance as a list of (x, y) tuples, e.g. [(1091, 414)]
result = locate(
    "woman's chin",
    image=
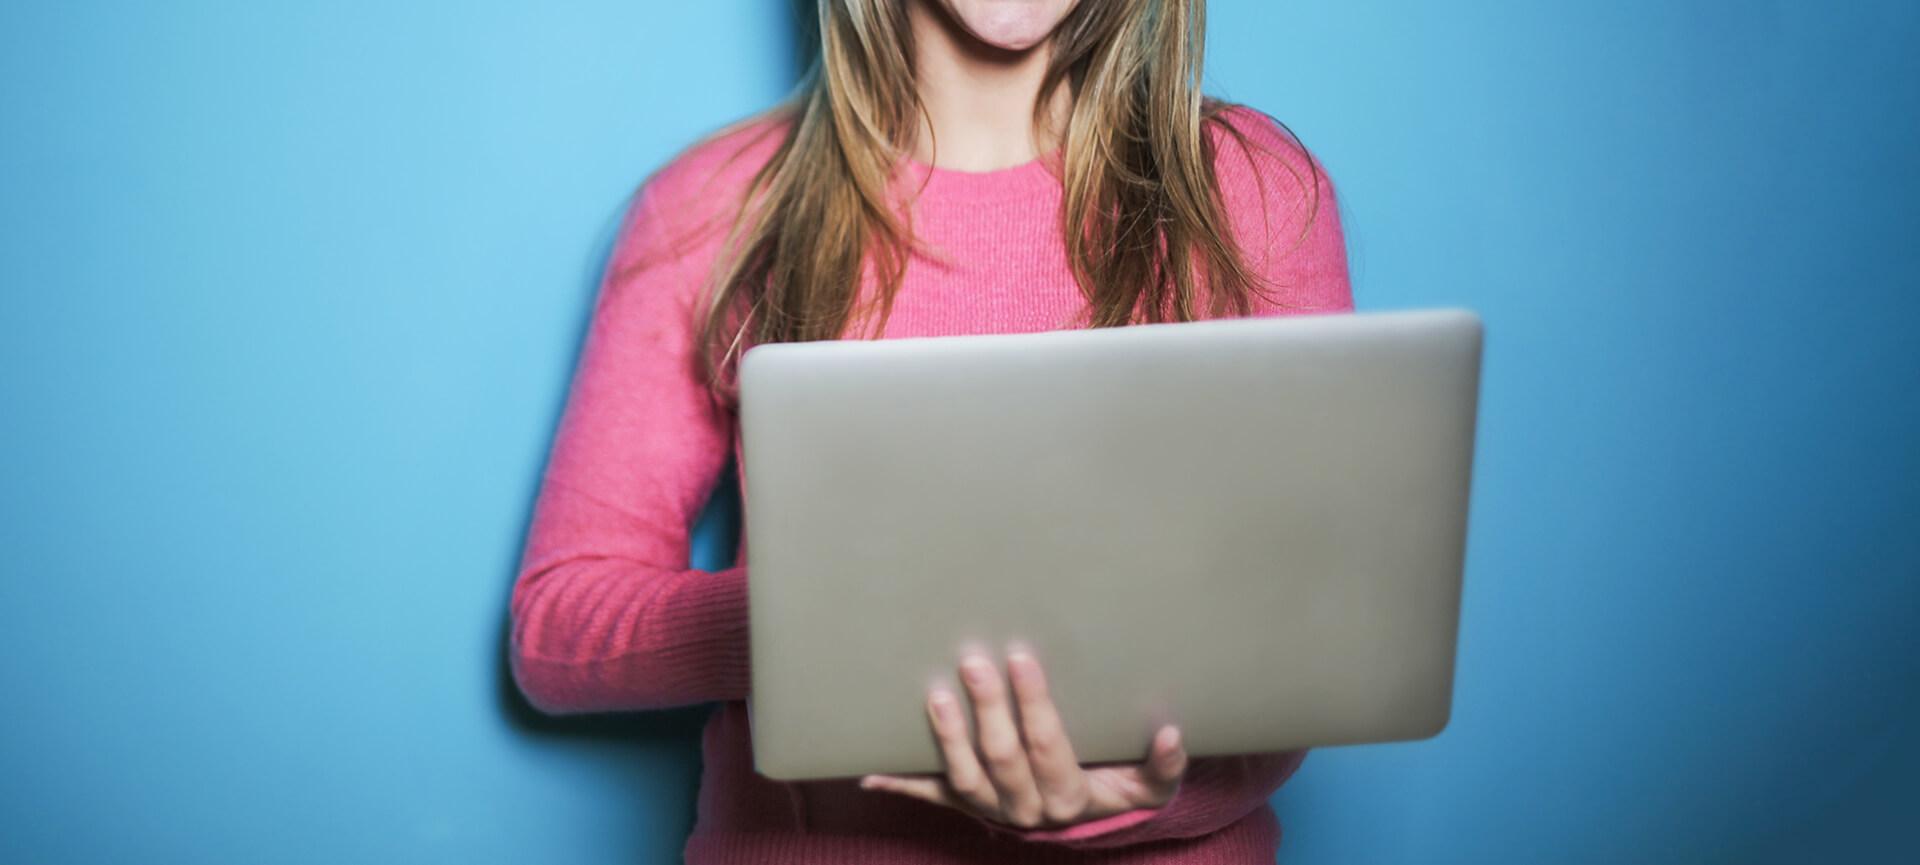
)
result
[(1009, 25), (1010, 36)]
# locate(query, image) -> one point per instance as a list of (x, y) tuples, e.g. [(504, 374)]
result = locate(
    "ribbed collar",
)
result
[(1034, 177)]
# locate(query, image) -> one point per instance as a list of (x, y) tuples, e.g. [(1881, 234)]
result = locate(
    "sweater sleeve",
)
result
[(606, 614), (1295, 241)]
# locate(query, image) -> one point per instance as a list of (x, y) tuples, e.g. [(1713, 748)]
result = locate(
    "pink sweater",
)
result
[(608, 617)]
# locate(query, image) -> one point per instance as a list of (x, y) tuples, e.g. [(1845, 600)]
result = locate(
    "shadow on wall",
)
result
[(715, 537)]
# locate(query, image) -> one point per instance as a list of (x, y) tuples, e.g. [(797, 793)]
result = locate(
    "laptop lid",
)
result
[(1252, 527)]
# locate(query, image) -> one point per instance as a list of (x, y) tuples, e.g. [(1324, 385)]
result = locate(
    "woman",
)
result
[(948, 166)]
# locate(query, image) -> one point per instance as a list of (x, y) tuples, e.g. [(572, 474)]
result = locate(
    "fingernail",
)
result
[(976, 669), (942, 704)]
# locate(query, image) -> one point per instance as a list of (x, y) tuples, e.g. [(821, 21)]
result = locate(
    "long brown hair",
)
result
[(1147, 238)]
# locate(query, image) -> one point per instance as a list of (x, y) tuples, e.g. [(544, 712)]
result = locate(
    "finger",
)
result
[(927, 789), (1001, 750), (1056, 771), (1167, 759), (964, 772)]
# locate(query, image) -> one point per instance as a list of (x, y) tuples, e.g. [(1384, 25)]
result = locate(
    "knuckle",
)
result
[(1064, 809), (1000, 748), (1025, 816), (1031, 691), (1003, 760), (1045, 741), (964, 780)]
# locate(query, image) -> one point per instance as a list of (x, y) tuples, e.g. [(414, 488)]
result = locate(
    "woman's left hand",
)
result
[(1025, 774)]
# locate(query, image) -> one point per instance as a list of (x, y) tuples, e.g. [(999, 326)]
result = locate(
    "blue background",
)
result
[(292, 293)]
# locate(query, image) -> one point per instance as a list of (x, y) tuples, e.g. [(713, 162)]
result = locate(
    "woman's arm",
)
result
[(606, 615)]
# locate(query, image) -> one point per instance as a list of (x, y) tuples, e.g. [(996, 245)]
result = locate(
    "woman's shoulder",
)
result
[(683, 210), (703, 184), (1256, 157), (1279, 200)]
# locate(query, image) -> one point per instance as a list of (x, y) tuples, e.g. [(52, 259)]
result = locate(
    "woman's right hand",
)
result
[(1025, 774)]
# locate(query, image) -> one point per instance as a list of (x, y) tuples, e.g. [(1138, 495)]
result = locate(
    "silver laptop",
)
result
[(1253, 527)]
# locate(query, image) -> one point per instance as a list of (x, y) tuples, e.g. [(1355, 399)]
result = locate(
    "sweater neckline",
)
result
[(1027, 178)]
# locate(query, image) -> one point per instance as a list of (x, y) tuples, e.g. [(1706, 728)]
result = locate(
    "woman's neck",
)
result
[(979, 99)]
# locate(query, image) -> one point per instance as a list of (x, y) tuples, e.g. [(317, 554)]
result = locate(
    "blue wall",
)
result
[(291, 295)]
